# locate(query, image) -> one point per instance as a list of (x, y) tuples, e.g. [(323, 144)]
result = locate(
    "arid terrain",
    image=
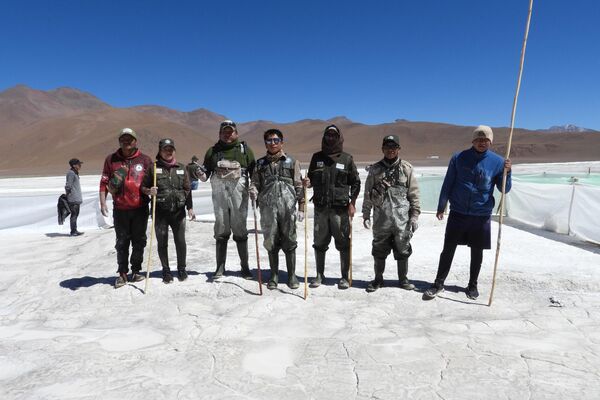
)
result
[(41, 130)]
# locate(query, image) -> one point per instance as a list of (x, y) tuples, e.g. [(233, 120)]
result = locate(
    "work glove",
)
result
[(253, 193), (367, 223), (300, 216), (413, 225)]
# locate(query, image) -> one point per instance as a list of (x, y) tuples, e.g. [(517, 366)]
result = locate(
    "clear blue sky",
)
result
[(450, 61)]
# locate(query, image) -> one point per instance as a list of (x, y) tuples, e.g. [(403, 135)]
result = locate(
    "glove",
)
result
[(367, 223), (413, 225), (300, 216), (253, 193)]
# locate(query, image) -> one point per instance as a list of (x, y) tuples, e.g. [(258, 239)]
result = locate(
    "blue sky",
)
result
[(448, 60)]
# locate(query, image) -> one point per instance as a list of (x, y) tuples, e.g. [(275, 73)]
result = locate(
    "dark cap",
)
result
[(75, 161), (166, 142), (194, 158), (391, 139)]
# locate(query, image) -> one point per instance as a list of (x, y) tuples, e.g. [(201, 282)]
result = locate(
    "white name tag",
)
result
[(179, 172), (320, 164), (159, 170), (339, 166)]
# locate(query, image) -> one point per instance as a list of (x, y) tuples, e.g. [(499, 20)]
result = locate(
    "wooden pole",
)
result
[(508, 146), (151, 233), (305, 243), (256, 242)]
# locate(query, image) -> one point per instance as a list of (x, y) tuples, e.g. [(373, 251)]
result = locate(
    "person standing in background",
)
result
[(73, 192)]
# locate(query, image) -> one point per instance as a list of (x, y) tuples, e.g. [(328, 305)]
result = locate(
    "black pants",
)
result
[(74, 207), (130, 228), (473, 231), (176, 221)]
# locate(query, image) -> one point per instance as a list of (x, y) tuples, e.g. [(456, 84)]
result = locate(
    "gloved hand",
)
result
[(191, 214), (300, 216), (413, 225), (367, 223), (253, 193)]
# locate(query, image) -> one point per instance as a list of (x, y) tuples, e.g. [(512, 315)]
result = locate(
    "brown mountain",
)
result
[(41, 130)]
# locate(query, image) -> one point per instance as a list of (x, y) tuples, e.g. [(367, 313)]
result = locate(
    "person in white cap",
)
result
[(122, 177), (229, 165), (469, 187)]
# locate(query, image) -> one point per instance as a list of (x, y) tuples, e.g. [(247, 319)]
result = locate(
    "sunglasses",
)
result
[(273, 141), (225, 124)]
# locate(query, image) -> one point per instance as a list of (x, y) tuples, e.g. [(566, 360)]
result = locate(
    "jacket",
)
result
[(135, 167), (470, 181), (73, 187), (173, 184), (62, 207), (279, 182), (236, 151), (334, 179)]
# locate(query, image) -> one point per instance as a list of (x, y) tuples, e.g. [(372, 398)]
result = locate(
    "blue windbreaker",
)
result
[(469, 182)]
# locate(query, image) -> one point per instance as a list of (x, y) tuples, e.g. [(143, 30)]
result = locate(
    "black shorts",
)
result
[(470, 230)]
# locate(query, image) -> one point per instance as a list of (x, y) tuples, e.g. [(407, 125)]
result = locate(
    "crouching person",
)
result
[(392, 192), (277, 187), (173, 196)]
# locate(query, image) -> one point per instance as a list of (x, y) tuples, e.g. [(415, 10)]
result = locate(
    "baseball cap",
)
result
[(74, 161), (166, 142), (227, 123), (128, 131), (391, 138)]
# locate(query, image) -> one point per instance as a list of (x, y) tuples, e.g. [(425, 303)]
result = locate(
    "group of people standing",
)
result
[(274, 184)]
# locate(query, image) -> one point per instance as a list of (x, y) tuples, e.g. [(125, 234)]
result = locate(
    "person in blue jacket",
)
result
[(469, 187)]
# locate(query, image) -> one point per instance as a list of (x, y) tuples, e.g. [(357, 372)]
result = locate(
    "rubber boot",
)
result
[(242, 247), (221, 258), (290, 263), (345, 268), (320, 261), (379, 266), (274, 264), (402, 271)]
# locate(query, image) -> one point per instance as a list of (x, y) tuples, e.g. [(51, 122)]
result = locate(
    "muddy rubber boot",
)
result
[(290, 263), (320, 261), (403, 281), (345, 268), (221, 258), (242, 248), (274, 265), (379, 266)]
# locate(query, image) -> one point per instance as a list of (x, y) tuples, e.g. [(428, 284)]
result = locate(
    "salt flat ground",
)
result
[(65, 333)]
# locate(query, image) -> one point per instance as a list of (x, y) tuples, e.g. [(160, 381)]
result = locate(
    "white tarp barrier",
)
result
[(568, 209)]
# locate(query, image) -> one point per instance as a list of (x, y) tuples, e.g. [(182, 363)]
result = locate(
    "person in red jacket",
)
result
[(122, 177)]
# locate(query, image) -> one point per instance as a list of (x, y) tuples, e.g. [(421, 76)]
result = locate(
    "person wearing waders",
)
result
[(73, 192), (392, 192), (277, 187), (173, 196), (469, 187), (334, 178), (229, 164), (122, 177)]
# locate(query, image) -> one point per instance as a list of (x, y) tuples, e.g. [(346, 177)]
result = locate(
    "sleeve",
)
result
[(255, 183), (447, 185), (187, 189), (413, 196), (367, 204), (251, 161), (207, 164), (311, 168), (298, 185), (106, 175), (499, 179), (69, 182), (353, 181)]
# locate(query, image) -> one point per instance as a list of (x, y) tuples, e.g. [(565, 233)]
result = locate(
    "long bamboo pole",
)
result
[(508, 146)]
